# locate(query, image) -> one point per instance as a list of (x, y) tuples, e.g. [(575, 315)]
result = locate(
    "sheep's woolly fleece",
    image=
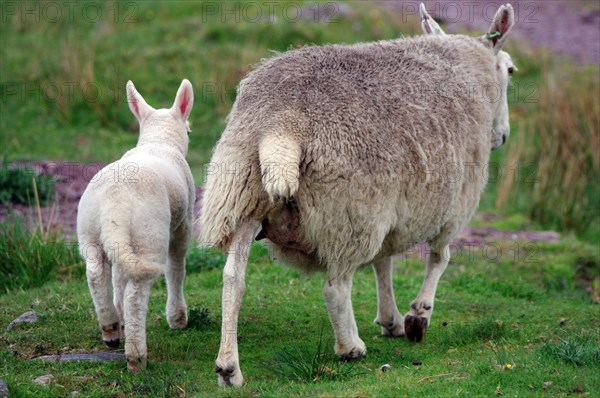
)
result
[(398, 129)]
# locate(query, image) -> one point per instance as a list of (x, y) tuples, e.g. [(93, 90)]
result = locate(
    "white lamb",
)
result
[(138, 212), (345, 155)]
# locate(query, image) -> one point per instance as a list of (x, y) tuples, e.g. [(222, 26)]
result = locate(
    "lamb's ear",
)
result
[(430, 27), (184, 100), (137, 104), (503, 22)]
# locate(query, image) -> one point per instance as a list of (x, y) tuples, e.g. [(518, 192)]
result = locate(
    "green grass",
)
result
[(313, 363), (549, 169), (30, 259), (68, 102), (515, 318), (20, 185), (507, 324), (71, 96)]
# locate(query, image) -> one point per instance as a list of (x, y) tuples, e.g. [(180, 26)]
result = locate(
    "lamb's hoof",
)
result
[(111, 335), (415, 327), (229, 376), (136, 364)]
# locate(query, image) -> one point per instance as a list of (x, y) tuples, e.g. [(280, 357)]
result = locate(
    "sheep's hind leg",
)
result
[(234, 284), (98, 275), (416, 320), (388, 316), (337, 292), (177, 315)]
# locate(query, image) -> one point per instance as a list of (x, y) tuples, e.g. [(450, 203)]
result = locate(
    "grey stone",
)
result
[(108, 356), (385, 367), (28, 317), (43, 380), (3, 389)]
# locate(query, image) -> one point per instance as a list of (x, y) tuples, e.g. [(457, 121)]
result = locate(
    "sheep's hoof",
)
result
[(179, 320), (228, 376), (415, 327), (396, 330), (354, 355), (351, 352), (114, 343), (111, 335), (391, 328), (136, 364)]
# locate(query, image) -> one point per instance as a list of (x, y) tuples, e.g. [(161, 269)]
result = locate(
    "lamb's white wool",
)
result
[(343, 156), (137, 213)]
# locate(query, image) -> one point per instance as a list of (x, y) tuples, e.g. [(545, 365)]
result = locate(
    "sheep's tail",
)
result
[(240, 184), (120, 247), (280, 165)]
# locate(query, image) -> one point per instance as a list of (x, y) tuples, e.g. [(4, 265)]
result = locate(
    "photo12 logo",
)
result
[(271, 11), (469, 11), (68, 11)]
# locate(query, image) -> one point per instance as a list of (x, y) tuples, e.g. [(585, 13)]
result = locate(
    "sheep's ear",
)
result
[(502, 23), (137, 104), (184, 100), (430, 27)]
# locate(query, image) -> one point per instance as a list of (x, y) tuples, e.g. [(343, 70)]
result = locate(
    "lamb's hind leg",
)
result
[(119, 283), (175, 275), (234, 284), (416, 320), (135, 306), (388, 316), (337, 292), (99, 281)]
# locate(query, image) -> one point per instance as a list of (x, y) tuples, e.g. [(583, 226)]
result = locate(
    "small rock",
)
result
[(3, 389), (28, 317), (108, 356), (385, 367), (80, 379), (547, 384), (416, 362), (75, 393), (577, 390), (44, 380)]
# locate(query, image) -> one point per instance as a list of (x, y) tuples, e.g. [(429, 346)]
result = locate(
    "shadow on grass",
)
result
[(483, 330)]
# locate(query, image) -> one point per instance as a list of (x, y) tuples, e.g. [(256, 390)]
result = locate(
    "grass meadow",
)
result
[(513, 317)]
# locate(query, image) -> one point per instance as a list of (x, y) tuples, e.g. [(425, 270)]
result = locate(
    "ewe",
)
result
[(348, 154), (138, 213)]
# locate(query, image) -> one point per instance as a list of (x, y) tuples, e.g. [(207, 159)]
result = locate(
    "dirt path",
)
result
[(571, 27), (72, 179)]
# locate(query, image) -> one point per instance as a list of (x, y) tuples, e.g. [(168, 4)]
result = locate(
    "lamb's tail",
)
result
[(122, 249), (240, 184)]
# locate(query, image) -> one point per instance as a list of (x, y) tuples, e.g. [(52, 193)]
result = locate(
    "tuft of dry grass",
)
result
[(556, 153)]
